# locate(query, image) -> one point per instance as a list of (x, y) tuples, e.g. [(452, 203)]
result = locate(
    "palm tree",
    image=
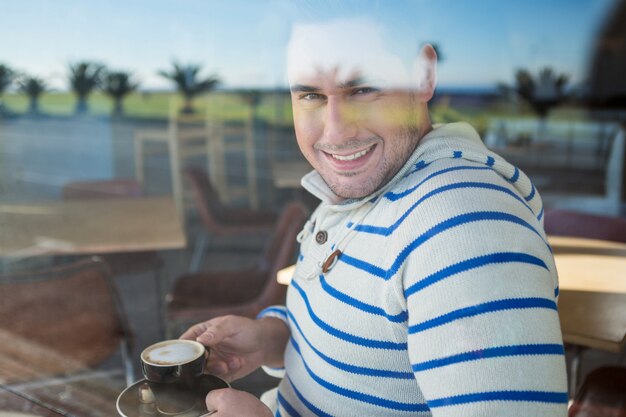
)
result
[(84, 77), (118, 84), (542, 93), (33, 87), (252, 98), (187, 82), (6, 78)]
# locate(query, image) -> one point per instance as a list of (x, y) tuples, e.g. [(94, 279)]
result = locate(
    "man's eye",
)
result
[(311, 97), (364, 91)]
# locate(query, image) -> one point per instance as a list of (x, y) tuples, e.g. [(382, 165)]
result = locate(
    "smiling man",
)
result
[(425, 285)]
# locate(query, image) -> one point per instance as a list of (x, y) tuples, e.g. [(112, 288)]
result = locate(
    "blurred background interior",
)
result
[(158, 137)]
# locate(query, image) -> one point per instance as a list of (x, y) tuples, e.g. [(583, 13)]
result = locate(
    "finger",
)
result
[(227, 367), (234, 363), (194, 331), (219, 329), (218, 368)]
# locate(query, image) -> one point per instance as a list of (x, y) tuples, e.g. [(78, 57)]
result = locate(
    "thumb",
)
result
[(215, 398)]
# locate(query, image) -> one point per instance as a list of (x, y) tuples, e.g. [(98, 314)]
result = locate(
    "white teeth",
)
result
[(351, 157)]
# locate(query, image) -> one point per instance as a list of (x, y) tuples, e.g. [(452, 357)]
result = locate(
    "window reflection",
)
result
[(105, 107)]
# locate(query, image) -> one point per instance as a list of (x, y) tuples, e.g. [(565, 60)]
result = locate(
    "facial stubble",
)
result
[(409, 136)]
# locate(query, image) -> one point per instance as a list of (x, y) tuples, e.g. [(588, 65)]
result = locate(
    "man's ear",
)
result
[(425, 71)]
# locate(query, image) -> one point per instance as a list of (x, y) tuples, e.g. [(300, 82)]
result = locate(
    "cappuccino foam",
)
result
[(172, 353)]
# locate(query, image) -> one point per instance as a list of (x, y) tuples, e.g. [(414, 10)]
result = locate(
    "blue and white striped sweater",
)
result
[(442, 302)]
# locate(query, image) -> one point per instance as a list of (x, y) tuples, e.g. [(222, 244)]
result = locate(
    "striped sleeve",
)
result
[(484, 336), (279, 312)]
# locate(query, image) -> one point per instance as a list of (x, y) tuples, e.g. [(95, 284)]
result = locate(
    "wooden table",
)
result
[(570, 245), (89, 226), (15, 405), (592, 300), (88, 397)]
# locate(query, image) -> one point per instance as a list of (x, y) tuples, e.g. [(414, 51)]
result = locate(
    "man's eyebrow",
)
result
[(299, 88), (352, 83)]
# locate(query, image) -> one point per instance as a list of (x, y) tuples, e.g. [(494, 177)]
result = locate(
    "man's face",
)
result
[(359, 109), (355, 134)]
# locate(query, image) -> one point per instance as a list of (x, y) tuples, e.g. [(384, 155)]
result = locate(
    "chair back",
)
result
[(116, 188), (280, 251), (602, 394), (205, 197), (60, 320), (575, 224)]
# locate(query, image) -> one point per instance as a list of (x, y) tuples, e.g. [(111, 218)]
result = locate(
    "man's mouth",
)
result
[(353, 156)]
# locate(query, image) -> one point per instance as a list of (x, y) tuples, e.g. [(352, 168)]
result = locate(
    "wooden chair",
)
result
[(197, 297), (571, 223), (201, 135), (61, 321), (228, 139), (602, 394), (218, 220), (185, 136)]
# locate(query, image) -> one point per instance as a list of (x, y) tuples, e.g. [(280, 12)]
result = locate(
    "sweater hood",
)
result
[(461, 141)]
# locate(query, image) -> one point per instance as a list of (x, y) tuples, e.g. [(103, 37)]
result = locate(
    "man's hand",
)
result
[(229, 402), (240, 345)]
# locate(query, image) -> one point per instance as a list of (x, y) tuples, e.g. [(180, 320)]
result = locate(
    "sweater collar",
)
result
[(314, 183)]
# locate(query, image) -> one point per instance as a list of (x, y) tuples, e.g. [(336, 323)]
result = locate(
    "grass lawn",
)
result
[(273, 108)]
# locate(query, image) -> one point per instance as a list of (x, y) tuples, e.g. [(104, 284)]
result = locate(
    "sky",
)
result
[(482, 42)]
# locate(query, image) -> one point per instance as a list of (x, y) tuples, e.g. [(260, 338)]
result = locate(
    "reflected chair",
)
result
[(61, 321), (201, 296), (560, 222), (602, 394), (218, 220), (200, 135)]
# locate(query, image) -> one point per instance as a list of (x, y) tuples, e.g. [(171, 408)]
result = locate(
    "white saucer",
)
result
[(128, 404)]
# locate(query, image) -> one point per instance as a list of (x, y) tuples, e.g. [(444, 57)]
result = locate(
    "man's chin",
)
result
[(354, 189)]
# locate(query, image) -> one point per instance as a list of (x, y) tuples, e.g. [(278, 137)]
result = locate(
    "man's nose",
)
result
[(340, 120)]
